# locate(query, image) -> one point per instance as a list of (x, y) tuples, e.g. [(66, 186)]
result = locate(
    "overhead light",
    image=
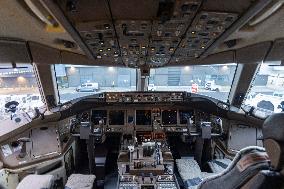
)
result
[(225, 67), (101, 50), (111, 69), (21, 79), (107, 26), (220, 28), (193, 32), (72, 69)]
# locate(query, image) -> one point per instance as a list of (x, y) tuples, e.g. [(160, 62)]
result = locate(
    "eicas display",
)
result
[(143, 117), (116, 117), (98, 115), (169, 117)]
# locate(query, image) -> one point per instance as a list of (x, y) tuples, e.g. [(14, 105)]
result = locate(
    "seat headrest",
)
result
[(273, 127)]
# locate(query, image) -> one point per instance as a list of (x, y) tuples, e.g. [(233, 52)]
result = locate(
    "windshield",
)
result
[(267, 90), (211, 80), (18, 84), (76, 81)]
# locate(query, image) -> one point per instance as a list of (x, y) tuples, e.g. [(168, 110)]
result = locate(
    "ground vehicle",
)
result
[(88, 87), (123, 45), (278, 94), (151, 87), (210, 85)]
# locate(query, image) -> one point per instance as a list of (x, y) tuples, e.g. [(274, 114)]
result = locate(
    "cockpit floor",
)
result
[(111, 181)]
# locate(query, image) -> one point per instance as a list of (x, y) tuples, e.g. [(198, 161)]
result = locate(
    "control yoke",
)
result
[(24, 141), (204, 129), (12, 107), (38, 113)]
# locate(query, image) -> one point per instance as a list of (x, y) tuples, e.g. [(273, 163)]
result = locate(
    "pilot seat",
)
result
[(37, 182), (253, 167), (75, 181)]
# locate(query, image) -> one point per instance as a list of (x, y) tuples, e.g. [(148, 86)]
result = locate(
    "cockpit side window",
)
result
[(266, 94), (18, 84)]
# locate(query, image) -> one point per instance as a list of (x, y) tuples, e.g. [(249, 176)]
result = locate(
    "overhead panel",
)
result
[(167, 34), (154, 33), (100, 38), (206, 27), (134, 40)]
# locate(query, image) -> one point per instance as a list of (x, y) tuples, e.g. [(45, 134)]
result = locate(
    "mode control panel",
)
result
[(129, 185), (144, 97)]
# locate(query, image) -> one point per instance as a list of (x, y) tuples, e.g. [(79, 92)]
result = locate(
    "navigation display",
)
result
[(143, 117), (98, 115), (116, 117), (169, 117), (185, 115)]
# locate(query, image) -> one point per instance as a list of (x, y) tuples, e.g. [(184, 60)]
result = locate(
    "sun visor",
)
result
[(43, 54), (276, 52), (14, 51), (253, 53)]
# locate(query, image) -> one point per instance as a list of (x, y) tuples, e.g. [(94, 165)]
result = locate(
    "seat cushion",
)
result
[(190, 172), (206, 175), (188, 168), (247, 163), (36, 182), (79, 181), (219, 165)]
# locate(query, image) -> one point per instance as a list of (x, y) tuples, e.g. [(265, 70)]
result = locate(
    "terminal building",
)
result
[(73, 76)]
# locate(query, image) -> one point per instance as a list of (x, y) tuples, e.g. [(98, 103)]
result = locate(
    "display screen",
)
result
[(169, 117), (185, 115), (147, 187), (143, 117), (98, 115), (116, 117)]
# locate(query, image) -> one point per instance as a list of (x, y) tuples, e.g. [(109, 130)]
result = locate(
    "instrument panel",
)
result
[(109, 113), (127, 112), (141, 117), (145, 118)]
